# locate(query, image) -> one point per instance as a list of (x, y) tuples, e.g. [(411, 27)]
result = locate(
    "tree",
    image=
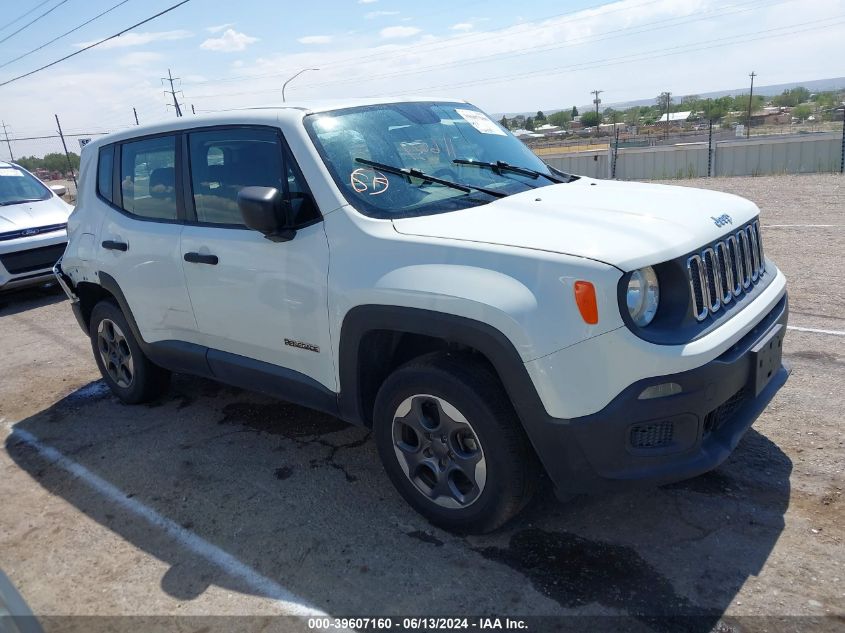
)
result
[(632, 116), (50, 162), (713, 109), (664, 101), (792, 97), (560, 119), (574, 112), (802, 111), (504, 122), (590, 119), (613, 116), (529, 124), (540, 116)]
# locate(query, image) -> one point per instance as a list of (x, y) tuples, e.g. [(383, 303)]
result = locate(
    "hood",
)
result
[(625, 224), (29, 215)]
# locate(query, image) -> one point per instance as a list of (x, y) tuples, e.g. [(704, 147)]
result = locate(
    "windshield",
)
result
[(18, 186), (428, 138)]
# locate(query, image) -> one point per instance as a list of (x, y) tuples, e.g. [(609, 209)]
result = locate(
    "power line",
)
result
[(21, 17), (28, 24), (65, 34), (473, 38), (90, 46), (531, 50), (636, 57)]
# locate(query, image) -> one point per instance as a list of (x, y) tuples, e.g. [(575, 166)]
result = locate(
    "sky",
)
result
[(505, 56)]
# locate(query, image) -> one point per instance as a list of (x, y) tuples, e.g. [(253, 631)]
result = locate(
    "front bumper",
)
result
[(28, 261), (661, 440)]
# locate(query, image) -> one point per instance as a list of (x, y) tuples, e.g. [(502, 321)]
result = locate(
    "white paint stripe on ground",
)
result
[(814, 330), (289, 603), (803, 226)]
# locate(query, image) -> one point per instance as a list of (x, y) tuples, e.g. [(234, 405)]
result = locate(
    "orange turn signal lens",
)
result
[(585, 297)]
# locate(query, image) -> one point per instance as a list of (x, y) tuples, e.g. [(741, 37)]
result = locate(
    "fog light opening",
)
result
[(660, 391)]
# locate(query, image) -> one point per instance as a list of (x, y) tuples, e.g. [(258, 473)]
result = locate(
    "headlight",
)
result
[(643, 295)]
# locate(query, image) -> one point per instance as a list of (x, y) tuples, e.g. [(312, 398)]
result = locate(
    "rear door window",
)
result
[(148, 178)]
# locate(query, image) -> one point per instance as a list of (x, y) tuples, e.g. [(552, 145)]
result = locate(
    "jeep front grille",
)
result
[(723, 271)]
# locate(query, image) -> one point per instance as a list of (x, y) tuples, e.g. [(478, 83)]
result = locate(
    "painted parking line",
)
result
[(804, 226), (814, 330), (288, 602)]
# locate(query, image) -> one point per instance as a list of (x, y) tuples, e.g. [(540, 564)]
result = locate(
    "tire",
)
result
[(130, 375), (483, 473)]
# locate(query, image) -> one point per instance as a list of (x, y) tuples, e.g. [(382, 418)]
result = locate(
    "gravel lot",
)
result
[(255, 507)]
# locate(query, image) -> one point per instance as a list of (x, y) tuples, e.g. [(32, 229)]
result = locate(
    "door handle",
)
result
[(115, 246), (199, 258)]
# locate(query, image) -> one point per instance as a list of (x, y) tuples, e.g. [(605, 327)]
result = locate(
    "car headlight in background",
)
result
[(643, 295)]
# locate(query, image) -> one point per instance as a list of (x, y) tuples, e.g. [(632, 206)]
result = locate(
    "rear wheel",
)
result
[(452, 444), (128, 372)]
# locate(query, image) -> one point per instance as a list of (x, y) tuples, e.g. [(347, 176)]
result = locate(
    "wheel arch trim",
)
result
[(484, 338)]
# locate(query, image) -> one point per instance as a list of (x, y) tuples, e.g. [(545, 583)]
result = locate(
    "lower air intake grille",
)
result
[(32, 259), (725, 412), (652, 435)]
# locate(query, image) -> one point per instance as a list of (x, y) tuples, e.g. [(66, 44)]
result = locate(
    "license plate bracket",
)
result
[(767, 356)]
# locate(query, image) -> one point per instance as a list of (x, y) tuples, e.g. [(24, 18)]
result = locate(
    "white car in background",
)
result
[(33, 227)]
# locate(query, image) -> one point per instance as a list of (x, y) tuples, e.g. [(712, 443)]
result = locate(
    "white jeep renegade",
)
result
[(412, 267)]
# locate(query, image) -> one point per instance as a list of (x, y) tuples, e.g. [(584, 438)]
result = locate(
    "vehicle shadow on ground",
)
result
[(17, 301), (301, 498)]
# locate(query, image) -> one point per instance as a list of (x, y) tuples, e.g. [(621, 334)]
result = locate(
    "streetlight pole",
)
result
[(285, 85)]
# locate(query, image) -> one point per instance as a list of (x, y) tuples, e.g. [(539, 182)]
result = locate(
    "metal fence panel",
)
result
[(797, 154), (592, 164)]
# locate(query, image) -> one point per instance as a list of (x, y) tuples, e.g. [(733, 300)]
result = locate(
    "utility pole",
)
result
[(668, 103), (67, 156), (597, 101), (172, 92), (8, 144), (750, 97), (135, 112)]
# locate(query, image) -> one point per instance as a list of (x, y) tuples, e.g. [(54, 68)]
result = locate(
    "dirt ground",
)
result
[(220, 502)]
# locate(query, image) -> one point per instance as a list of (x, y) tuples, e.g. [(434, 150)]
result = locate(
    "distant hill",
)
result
[(814, 85)]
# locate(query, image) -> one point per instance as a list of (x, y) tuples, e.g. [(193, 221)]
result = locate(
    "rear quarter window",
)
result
[(105, 173)]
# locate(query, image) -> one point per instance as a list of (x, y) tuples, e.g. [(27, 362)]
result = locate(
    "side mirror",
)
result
[(264, 210), (59, 190)]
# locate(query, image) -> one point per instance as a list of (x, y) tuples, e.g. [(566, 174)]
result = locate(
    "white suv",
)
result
[(412, 267), (33, 223)]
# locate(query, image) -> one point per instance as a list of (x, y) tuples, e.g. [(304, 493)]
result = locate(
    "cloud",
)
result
[(394, 32), (379, 14), (140, 39), (229, 42), (219, 27), (462, 26), (315, 39), (140, 58)]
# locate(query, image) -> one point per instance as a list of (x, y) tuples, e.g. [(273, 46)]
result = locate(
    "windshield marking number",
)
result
[(365, 179)]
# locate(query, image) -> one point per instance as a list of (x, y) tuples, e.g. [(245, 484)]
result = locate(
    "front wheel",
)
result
[(132, 376), (452, 444)]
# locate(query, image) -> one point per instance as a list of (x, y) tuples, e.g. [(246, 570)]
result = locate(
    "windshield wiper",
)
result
[(416, 173), (499, 166)]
